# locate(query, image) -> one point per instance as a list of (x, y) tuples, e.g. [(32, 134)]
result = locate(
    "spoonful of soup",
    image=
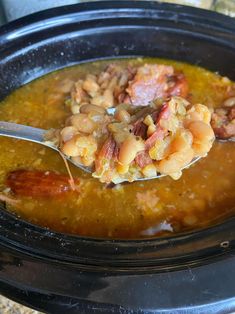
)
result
[(134, 143)]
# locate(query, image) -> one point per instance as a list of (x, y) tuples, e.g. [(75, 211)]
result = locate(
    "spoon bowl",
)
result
[(36, 135)]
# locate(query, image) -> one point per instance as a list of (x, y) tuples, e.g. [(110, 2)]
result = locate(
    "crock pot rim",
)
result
[(223, 23)]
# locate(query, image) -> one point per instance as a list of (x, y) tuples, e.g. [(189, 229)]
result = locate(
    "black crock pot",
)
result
[(59, 273)]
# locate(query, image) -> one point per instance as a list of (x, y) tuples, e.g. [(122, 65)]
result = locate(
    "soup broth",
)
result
[(203, 196)]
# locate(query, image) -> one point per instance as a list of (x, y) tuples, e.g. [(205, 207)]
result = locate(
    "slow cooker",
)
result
[(60, 273)]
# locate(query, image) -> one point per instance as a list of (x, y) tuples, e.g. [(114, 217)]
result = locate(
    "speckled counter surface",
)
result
[(9, 307)]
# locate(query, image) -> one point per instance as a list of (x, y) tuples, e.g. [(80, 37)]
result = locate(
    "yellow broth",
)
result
[(203, 196)]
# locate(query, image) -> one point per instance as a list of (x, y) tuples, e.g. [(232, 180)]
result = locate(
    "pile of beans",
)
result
[(150, 132), (102, 90), (138, 142)]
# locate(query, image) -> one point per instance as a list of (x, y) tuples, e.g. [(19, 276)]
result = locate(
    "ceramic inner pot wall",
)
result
[(99, 275), (31, 48)]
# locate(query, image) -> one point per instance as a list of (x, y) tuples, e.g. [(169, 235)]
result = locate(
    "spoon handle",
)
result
[(22, 132)]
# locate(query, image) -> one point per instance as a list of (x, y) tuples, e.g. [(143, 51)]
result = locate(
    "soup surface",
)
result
[(203, 196)]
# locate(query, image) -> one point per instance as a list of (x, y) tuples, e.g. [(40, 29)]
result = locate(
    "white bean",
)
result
[(108, 100), (92, 108), (149, 170), (123, 116), (203, 137), (230, 102), (129, 149), (67, 133), (75, 109), (90, 85), (176, 161), (70, 148), (82, 123)]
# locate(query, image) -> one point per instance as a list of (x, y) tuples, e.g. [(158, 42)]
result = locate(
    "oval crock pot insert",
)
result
[(111, 274)]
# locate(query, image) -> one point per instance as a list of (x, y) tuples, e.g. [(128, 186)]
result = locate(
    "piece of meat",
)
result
[(179, 86), (223, 122), (107, 149), (107, 152), (231, 114), (140, 129), (155, 115), (155, 81), (149, 83), (116, 152), (36, 183), (143, 159), (157, 135), (230, 91), (165, 113), (225, 131)]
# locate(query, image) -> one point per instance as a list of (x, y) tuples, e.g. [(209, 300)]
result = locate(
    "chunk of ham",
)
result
[(154, 81), (179, 86), (223, 122), (143, 159), (164, 114), (108, 151), (140, 129), (157, 135)]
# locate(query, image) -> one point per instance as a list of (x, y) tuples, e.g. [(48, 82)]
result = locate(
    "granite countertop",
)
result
[(7, 306)]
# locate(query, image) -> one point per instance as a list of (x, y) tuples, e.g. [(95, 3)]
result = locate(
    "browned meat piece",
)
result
[(130, 85), (223, 122), (107, 152), (179, 86), (140, 129), (143, 159), (157, 135), (149, 83), (37, 183), (164, 113), (231, 115), (231, 91), (155, 81)]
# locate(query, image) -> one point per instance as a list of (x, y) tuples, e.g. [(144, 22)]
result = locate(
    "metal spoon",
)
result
[(36, 135)]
